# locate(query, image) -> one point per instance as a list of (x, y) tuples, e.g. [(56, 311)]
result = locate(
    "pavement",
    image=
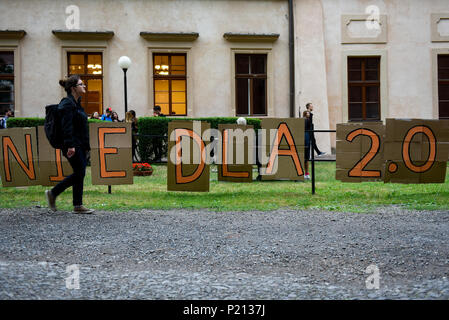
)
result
[(184, 254)]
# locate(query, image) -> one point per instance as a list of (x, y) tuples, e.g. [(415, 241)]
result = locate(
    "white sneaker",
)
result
[(306, 177)]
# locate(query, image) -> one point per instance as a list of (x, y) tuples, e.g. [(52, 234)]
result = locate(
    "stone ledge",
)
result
[(83, 35), (12, 34), (250, 37), (169, 36)]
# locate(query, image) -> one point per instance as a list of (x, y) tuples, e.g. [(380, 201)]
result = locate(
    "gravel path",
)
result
[(181, 254)]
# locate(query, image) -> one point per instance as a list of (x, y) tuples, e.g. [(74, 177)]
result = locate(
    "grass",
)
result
[(151, 193)]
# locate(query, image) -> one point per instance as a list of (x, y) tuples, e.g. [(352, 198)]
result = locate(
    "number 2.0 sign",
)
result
[(403, 151)]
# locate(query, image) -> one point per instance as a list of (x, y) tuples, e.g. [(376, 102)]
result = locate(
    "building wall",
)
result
[(408, 51), (42, 55), (408, 71)]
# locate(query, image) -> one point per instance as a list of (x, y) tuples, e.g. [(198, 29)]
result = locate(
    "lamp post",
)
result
[(124, 62)]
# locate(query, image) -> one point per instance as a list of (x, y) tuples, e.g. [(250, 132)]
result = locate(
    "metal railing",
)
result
[(313, 160), (312, 153)]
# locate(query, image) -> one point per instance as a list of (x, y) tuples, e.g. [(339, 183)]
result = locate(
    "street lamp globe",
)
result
[(124, 62)]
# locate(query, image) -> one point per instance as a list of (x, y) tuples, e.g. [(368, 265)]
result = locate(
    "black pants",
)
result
[(313, 143), (76, 180)]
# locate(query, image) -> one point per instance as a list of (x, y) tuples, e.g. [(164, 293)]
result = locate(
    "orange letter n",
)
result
[(8, 144)]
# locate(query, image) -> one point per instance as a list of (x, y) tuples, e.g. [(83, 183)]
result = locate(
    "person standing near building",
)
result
[(309, 107), (157, 141), (115, 117), (95, 115), (131, 117), (157, 112), (307, 142), (3, 122), (76, 144), (107, 116)]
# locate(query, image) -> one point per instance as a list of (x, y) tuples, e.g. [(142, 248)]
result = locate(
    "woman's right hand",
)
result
[(70, 152)]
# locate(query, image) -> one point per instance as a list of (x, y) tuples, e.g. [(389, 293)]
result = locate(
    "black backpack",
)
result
[(53, 127)]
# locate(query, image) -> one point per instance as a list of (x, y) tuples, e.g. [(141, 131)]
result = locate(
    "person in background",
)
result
[(3, 122), (309, 108), (307, 141), (131, 117), (107, 115), (114, 117), (75, 133), (95, 115), (157, 141), (157, 112)]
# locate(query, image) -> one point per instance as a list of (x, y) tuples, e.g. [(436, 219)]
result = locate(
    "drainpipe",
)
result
[(291, 46)]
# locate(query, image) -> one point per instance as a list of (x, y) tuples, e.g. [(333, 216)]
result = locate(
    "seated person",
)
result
[(157, 112), (107, 116)]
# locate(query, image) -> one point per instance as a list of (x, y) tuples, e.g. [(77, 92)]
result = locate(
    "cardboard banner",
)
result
[(111, 154), (18, 157), (360, 152), (416, 150), (282, 148), (237, 154), (53, 166), (187, 163)]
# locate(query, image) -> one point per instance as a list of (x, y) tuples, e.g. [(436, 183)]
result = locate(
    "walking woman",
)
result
[(76, 143)]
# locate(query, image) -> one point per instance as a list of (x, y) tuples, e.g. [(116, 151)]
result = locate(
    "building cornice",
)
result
[(83, 35), (250, 37), (12, 34), (169, 36)]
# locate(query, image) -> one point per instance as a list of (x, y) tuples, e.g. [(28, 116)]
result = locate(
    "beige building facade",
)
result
[(354, 60)]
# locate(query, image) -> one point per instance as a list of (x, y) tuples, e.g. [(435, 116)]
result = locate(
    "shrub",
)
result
[(31, 122)]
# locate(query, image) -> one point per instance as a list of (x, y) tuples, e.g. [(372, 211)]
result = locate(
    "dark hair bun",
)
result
[(62, 83)]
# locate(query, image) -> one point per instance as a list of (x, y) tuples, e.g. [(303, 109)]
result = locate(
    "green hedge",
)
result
[(25, 122), (31, 122)]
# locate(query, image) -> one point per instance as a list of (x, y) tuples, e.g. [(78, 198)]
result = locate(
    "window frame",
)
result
[(86, 77), (439, 82), (251, 77), (170, 78), (363, 83), (383, 53), (10, 77)]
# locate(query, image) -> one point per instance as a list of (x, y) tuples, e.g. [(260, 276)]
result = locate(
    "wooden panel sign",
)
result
[(360, 152), (187, 163), (236, 153), (281, 148), (53, 166), (111, 154), (18, 157), (416, 150)]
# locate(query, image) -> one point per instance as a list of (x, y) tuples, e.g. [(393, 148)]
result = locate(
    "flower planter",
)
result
[(143, 173), (142, 169)]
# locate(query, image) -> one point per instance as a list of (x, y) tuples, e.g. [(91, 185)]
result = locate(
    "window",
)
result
[(443, 86), (170, 83), (89, 66), (6, 81), (251, 84), (364, 88)]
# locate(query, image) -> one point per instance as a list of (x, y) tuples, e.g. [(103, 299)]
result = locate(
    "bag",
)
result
[(53, 127)]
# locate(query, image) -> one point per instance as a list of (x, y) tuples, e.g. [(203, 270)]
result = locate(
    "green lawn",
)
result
[(151, 193)]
